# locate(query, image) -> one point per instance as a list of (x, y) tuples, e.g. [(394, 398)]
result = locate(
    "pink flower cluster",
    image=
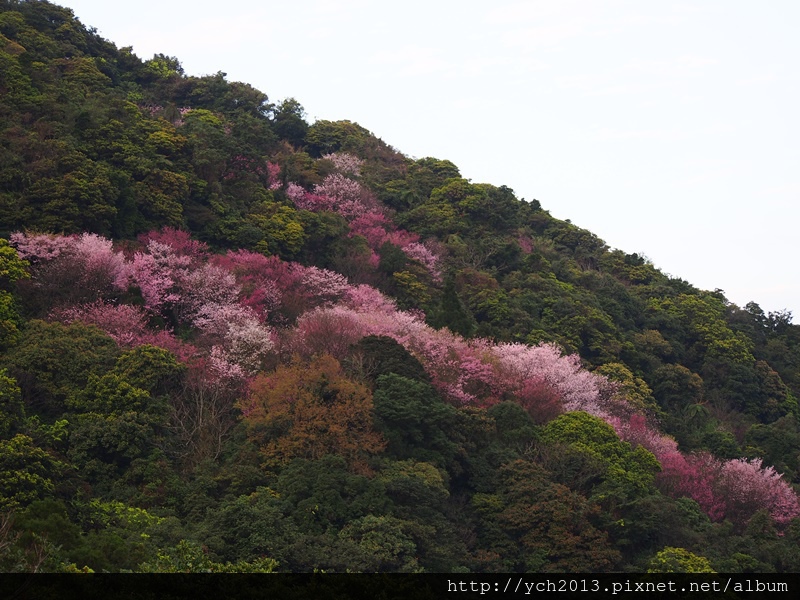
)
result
[(732, 489), (245, 309), (364, 213), (89, 260), (345, 163)]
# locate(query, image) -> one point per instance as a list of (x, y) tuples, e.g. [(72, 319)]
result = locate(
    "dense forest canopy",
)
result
[(234, 340)]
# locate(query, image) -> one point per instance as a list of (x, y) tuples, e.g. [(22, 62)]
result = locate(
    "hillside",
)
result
[(231, 339)]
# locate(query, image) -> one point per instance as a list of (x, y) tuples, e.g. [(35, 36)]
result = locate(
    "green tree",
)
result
[(190, 557), (289, 123), (376, 355), (414, 420), (12, 411), (12, 269), (532, 524), (385, 543), (628, 472), (678, 560), (451, 312), (53, 361), (26, 472)]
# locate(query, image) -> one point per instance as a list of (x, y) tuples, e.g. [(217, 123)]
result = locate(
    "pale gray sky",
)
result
[(667, 128)]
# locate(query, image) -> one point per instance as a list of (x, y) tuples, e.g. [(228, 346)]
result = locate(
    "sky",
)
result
[(670, 129)]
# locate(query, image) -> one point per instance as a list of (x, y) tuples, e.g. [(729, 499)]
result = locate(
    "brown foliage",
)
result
[(308, 410)]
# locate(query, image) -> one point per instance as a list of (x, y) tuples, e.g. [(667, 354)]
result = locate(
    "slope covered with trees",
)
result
[(233, 340)]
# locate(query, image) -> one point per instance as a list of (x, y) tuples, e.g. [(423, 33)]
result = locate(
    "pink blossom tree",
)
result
[(747, 487), (73, 269), (206, 285), (692, 476), (127, 325), (40, 247), (179, 241), (425, 256), (273, 175), (733, 489), (258, 289), (327, 330), (345, 163), (350, 198), (156, 273), (578, 388)]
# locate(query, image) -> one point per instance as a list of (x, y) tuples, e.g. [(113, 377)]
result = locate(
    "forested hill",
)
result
[(233, 340)]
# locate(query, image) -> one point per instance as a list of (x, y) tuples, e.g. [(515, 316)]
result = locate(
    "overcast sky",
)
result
[(670, 129)]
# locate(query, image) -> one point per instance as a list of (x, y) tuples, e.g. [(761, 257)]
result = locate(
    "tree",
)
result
[(12, 411), (532, 524), (52, 361), (190, 557), (452, 313), (628, 472), (26, 473), (308, 410), (288, 122), (376, 355), (202, 410), (678, 560), (386, 544), (414, 420), (325, 495)]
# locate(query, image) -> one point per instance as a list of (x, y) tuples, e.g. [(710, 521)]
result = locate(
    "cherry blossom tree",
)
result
[(345, 163), (180, 241), (125, 323), (157, 272), (127, 326), (243, 343), (426, 256), (747, 487), (350, 198), (273, 175), (578, 388), (733, 489), (73, 269), (40, 247), (205, 285), (327, 331), (258, 290), (308, 201)]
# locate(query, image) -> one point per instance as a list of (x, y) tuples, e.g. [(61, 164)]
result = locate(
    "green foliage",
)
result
[(324, 137), (52, 362), (678, 560), (322, 495), (635, 389), (778, 443), (628, 472), (10, 320), (149, 368), (12, 268), (250, 526), (374, 356), (532, 524), (414, 420), (26, 472), (189, 557), (289, 123), (12, 411), (385, 544), (452, 313)]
